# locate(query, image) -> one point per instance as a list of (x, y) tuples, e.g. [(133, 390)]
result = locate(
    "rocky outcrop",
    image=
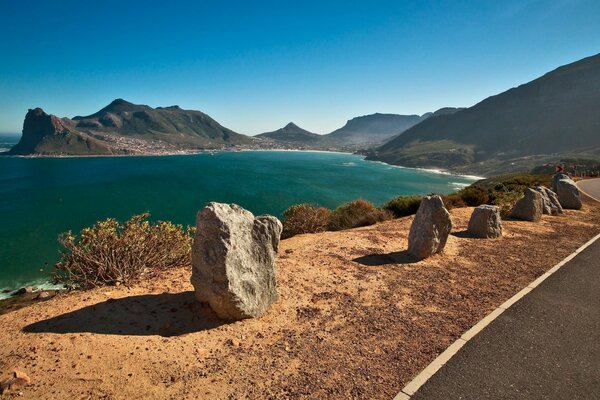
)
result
[(551, 205), (47, 134), (530, 207), (568, 194), (485, 222), (233, 258), (430, 228)]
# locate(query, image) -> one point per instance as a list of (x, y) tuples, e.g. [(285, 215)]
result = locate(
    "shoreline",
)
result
[(212, 152), (46, 285)]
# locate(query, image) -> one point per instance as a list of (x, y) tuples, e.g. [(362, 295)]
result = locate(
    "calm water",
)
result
[(42, 197)]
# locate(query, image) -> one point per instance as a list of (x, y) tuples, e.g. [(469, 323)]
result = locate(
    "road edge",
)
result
[(411, 387)]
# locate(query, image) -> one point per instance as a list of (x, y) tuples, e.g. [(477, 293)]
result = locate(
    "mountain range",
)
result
[(556, 114), (124, 128), (359, 132)]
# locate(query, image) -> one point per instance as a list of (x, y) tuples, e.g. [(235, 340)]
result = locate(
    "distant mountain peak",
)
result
[(292, 133)]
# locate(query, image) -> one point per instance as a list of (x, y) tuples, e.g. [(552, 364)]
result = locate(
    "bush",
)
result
[(110, 253), (403, 205), (505, 200), (453, 200), (355, 214), (305, 218), (474, 196)]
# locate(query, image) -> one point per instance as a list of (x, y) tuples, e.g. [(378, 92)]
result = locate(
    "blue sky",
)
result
[(256, 65)]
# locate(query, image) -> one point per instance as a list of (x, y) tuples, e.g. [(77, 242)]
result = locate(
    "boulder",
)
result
[(551, 204), (485, 222), (546, 209), (430, 228), (556, 178), (24, 290), (530, 207), (233, 260), (568, 194)]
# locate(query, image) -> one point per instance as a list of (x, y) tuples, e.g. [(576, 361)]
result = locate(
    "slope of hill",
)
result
[(554, 114), (124, 128), (292, 133), (374, 128)]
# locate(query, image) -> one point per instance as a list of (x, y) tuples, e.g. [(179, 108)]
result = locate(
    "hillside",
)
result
[(556, 114), (292, 133), (374, 128), (124, 128), (351, 292)]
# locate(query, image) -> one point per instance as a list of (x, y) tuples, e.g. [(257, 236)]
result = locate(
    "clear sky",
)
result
[(256, 65)]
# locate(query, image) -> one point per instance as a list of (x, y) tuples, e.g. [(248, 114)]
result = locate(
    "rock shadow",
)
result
[(396, 257), (166, 314), (463, 235)]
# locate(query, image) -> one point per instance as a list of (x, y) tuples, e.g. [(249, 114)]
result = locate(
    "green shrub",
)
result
[(474, 196), (357, 213), (111, 253), (453, 200), (403, 205), (305, 218)]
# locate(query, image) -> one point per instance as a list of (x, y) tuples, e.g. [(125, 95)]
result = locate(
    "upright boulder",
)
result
[(233, 260), (550, 199), (430, 228), (530, 207), (556, 178), (485, 222), (568, 194)]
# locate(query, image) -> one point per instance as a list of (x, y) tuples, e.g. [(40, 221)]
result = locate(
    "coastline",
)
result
[(338, 296), (43, 285), (236, 150)]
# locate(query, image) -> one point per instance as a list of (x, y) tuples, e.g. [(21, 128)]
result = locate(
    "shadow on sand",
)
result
[(167, 314), (397, 257)]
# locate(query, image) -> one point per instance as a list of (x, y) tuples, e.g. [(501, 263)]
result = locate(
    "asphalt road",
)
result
[(546, 346), (591, 187)]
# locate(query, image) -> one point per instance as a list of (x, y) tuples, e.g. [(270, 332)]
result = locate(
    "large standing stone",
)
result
[(233, 258), (556, 178), (546, 209), (430, 228), (568, 194), (485, 222), (530, 207), (551, 204)]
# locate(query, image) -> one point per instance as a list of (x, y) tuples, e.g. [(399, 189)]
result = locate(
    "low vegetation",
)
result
[(502, 191), (355, 214), (305, 218), (403, 206), (112, 253)]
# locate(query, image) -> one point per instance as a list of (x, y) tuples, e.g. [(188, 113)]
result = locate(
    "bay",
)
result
[(42, 197)]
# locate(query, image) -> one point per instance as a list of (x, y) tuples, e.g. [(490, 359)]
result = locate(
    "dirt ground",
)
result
[(356, 319)]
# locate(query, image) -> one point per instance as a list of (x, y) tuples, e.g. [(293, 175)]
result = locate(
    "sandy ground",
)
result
[(357, 319)]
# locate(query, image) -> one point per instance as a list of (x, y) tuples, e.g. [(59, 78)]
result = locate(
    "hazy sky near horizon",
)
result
[(256, 65)]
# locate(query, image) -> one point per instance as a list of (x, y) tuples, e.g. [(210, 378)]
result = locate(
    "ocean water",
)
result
[(42, 197)]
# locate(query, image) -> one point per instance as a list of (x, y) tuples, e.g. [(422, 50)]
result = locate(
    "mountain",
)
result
[(124, 128), (47, 134), (441, 111), (557, 113), (372, 128), (292, 133)]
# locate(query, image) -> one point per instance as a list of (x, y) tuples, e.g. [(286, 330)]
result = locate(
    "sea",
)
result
[(42, 197)]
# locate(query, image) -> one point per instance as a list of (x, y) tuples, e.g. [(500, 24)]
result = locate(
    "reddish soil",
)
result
[(357, 319)]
